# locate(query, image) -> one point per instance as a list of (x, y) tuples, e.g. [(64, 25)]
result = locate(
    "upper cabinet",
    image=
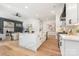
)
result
[(71, 13), (8, 24)]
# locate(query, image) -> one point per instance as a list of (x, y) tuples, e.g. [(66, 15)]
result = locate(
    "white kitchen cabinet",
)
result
[(69, 45), (71, 13), (61, 43), (8, 26), (28, 41), (71, 48), (31, 41), (3, 36)]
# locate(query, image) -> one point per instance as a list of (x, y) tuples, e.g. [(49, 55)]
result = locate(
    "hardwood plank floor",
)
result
[(12, 48)]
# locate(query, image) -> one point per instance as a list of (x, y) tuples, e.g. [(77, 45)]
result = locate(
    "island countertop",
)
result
[(70, 37)]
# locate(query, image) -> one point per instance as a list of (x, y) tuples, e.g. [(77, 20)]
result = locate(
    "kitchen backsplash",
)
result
[(68, 29)]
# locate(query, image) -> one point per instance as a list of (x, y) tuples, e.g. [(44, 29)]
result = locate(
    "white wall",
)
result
[(35, 23), (48, 23)]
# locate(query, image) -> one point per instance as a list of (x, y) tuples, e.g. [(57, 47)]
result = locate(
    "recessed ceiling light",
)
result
[(52, 12), (26, 6)]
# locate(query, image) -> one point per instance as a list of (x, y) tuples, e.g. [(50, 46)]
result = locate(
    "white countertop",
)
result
[(70, 37)]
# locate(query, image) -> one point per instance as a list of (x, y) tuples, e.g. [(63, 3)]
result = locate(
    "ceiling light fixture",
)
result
[(26, 6)]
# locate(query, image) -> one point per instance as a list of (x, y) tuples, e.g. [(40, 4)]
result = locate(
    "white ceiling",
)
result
[(32, 10)]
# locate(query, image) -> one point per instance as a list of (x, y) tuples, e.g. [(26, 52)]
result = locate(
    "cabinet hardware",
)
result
[(60, 43)]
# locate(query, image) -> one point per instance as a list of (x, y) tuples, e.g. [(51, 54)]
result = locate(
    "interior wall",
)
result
[(34, 22), (50, 26)]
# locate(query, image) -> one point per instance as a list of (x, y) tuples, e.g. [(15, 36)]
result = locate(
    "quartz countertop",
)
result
[(70, 37)]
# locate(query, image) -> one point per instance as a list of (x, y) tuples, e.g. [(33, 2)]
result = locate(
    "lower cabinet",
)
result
[(2, 37), (69, 47), (61, 44), (30, 41)]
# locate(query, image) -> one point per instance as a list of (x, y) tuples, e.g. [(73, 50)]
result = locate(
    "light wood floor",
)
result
[(12, 48)]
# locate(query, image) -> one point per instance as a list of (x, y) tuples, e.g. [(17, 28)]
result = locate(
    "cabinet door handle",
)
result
[(60, 43)]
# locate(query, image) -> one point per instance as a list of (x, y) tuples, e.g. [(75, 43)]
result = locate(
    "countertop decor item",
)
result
[(30, 28), (77, 32)]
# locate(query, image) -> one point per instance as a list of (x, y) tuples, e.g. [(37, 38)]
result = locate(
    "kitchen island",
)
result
[(31, 41), (69, 45)]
